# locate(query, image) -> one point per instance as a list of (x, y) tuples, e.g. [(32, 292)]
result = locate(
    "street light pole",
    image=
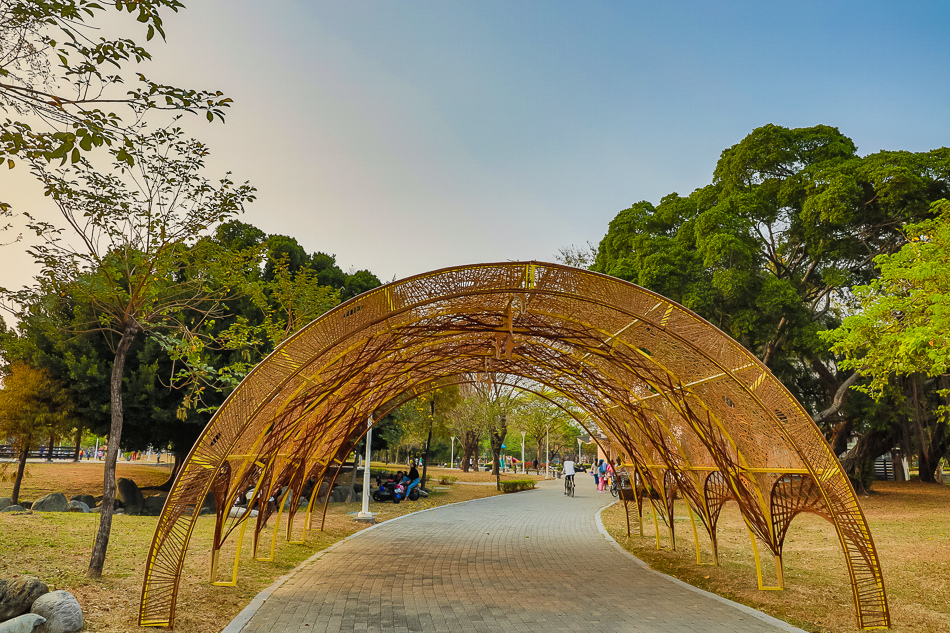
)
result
[(364, 514), (523, 469), (579, 460), (452, 459)]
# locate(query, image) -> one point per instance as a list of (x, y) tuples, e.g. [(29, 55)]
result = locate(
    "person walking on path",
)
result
[(602, 475)]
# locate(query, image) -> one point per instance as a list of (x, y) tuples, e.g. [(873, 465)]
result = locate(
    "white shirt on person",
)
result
[(569, 467)]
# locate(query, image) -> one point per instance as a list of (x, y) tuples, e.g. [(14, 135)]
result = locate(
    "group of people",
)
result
[(402, 483), (603, 472)]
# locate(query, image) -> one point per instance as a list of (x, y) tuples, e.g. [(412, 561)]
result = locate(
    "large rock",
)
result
[(153, 505), (5, 501), (89, 500), (55, 502), (77, 506), (27, 623), (17, 595), (130, 496), (61, 610), (208, 506), (14, 509)]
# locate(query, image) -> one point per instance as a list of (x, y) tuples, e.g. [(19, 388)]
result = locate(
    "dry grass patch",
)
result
[(910, 524), (74, 478), (56, 548)]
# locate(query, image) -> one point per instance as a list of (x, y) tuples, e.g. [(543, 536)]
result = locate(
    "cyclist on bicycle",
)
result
[(568, 471)]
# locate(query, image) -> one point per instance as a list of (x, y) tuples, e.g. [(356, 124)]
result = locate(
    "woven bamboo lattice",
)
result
[(686, 408)]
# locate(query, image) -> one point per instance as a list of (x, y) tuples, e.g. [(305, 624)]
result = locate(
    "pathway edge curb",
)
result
[(781, 624)]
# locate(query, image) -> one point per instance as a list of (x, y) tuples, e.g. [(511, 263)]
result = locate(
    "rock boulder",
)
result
[(61, 610), (5, 501), (27, 623), (17, 595), (89, 500), (77, 506), (152, 507), (14, 509), (55, 502), (130, 496)]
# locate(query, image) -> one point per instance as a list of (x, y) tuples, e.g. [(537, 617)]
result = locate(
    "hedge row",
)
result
[(517, 485)]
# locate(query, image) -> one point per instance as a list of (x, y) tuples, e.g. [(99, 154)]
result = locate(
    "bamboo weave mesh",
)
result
[(684, 404)]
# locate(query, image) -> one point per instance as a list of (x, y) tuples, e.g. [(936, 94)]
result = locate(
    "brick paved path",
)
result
[(531, 561)]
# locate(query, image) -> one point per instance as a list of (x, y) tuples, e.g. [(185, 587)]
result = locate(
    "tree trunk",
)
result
[(49, 449), (166, 485), (425, 460), (98, 559), (78, 442), (20, 469), (497, 437)]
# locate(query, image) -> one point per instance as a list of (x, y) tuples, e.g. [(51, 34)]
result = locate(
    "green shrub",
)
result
[(447, 480), (517, 485)]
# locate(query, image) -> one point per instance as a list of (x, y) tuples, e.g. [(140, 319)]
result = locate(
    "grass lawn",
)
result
[(910, 523), (56, 546)]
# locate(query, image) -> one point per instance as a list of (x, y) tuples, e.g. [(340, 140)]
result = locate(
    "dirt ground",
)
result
[(910, 525), (56, 547)]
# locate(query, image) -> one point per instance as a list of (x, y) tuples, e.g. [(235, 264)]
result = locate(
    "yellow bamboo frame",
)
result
[(667, 389)]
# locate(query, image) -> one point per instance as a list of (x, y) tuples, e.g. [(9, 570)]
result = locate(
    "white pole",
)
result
[(452, 459), (579, 450), (523, 469), (365, 514)]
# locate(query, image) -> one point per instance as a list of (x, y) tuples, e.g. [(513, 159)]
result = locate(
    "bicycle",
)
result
[(569, 485), (616, 482)]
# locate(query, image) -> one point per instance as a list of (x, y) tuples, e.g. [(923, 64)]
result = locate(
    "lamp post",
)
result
[(579, 460), (364, 514), (523, 469), (452, 459)]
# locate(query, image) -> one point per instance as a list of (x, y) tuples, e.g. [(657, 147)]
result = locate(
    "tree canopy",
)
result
[(770, 250)]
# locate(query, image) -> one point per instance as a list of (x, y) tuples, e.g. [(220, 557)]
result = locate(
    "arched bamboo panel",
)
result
[(691, 409)]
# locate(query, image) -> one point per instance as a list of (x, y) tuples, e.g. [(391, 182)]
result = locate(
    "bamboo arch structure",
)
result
[(686, 408)]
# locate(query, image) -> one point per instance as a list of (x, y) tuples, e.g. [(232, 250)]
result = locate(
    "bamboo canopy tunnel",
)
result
[(687, 410)]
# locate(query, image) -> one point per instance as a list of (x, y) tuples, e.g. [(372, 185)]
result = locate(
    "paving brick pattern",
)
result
[(531, 561)]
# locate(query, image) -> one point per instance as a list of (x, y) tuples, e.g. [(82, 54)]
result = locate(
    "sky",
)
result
[(404, 137)]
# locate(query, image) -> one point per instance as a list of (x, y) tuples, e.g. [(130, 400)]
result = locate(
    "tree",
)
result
[(70, 88), (540, 417), (769, 250), (899, 335), (32, 407), (139, 265)]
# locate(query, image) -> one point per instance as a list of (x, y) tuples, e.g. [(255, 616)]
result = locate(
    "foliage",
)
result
[(546, 417), (899, 337), (33, 407), (72, 88), (904, 319), (769, 252), (517, 485)]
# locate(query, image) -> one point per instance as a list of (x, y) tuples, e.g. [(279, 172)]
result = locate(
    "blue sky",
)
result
[(407, 136)]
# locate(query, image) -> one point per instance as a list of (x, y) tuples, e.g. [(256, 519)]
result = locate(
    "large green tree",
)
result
[(898, 338), (769, 250)]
